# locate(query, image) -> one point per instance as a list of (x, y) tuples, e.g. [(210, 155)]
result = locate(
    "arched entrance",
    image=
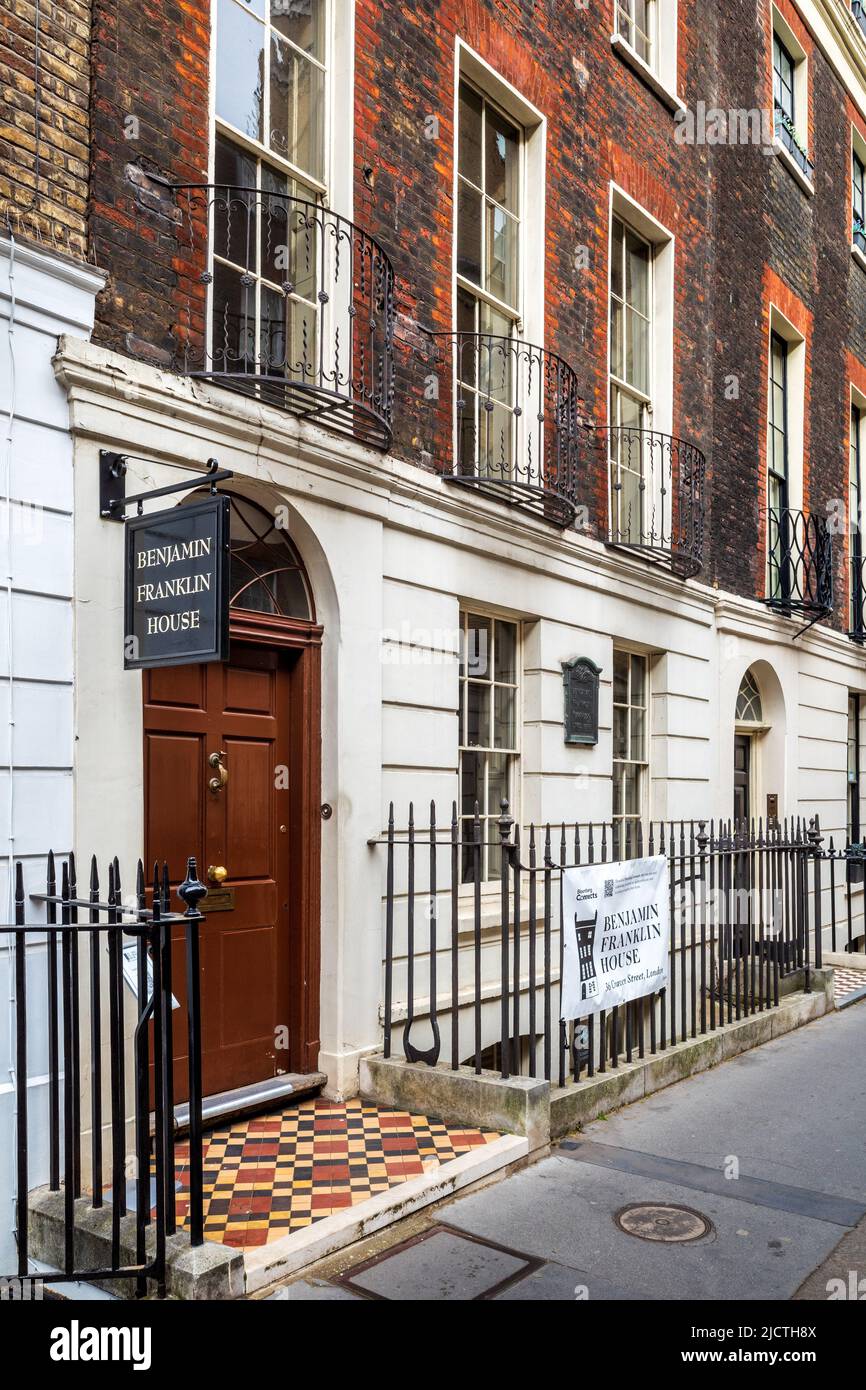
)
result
[(749, 720), (231, 773)]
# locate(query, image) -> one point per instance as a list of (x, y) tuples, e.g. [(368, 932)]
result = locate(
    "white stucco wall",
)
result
[(392, 553), (41, 296)]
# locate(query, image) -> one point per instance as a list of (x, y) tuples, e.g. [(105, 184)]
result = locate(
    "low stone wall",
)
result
[(541, 1112)]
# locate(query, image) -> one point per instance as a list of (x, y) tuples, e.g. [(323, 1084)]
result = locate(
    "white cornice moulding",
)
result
[(54, 265), (125, 403)]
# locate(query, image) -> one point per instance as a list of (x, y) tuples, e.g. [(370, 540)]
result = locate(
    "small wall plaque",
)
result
[(580, 689), (772, 807)]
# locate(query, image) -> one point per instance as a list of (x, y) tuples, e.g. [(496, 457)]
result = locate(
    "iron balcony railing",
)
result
[(656, 494), (859, 12), (799, 564), (859, 235), (857, 599), (300, 307), (786, 132), (518, 415)]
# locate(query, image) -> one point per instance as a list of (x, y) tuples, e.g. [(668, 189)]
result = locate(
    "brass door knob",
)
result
[(217, 874)]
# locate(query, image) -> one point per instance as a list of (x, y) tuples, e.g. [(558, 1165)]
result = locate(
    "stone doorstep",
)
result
[(541, 1112), (215, 1271)]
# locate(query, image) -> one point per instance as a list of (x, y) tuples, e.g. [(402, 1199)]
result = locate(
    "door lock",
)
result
[(217, 783), (217, 874)]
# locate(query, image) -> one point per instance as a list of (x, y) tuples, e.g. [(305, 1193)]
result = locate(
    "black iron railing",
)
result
[(656, 493), (787, 133), (477, 979), (859, 235), (51, 960), (857, 596), (800, 564), (859, 12), (518, 415), (300, 307)]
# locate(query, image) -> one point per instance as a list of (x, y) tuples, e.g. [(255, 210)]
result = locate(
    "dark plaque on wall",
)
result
[(580, 686), (177, 586)]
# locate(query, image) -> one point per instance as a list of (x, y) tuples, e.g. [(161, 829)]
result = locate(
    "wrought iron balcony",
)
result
[(786, 132), (859, 12), (300, 307), (656, 494), (799, 564), (857, 609), (518, 416), (858, 235)]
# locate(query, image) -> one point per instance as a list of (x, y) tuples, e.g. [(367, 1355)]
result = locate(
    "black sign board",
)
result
[(580, 684), (177, 586)]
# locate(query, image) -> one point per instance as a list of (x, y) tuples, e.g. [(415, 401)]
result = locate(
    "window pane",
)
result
[(638, 683), (620, 732), (469, 137), (239, 68), (296, 107), (477, 654), (469, 233), (637, 273), (631, 789), (504, 731), (617, 358), (302, 21), (620, 677), (638, 744), (234, 212), (272, 331), (501, 255), (471, 783), (506, 652), (503, 160), (637, 352), (302, 340), (497, 785), (234, 334), (616, 257)]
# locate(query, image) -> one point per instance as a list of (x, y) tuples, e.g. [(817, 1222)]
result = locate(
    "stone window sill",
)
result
[(793, 168), (624, 50)]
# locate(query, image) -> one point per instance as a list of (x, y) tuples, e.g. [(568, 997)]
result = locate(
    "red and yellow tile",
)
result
[(273, 1174)]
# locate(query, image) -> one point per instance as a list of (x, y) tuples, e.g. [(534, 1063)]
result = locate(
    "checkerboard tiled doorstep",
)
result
[(274, 1174), (847, 981)]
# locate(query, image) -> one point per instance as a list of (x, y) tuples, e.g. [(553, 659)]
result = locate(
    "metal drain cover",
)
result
[(662, 1221)]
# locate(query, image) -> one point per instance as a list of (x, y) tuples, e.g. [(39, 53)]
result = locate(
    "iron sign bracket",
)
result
[(113, 500)]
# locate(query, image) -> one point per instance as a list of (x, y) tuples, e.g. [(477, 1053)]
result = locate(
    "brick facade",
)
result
[(740, 221), (44, 127)]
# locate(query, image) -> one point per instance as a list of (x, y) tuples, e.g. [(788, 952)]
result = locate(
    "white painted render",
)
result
[(42, 295), (392, 552)]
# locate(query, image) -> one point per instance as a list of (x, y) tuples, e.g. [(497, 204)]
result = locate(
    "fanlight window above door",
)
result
[(266, 572), (749, 708)]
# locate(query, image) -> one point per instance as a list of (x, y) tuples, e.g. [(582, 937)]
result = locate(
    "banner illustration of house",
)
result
[(616, 934)]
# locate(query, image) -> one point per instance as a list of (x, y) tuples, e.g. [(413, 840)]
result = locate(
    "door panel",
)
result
[(243, 711)]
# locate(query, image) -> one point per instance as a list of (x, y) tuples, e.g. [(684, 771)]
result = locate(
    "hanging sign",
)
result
[(616, 934), (177, 586), (580, 686)]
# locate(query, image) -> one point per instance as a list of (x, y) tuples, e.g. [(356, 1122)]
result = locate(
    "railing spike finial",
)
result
[(191, 891)]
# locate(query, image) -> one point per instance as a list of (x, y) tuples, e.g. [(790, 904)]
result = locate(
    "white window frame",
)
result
[(490, 815), (796, 395), (660, 74), (470, 66), (858, 148), (643, 764), (781, 29)]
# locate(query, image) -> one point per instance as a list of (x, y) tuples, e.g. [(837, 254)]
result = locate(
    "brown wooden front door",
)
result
[(242, 709)]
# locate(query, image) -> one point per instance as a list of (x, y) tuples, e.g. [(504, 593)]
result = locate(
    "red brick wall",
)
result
[(150, 112)]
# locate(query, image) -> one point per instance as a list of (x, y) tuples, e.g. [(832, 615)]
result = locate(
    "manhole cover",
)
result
[(662, 1221)]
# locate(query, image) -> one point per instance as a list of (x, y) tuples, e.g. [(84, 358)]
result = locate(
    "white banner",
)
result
[(616, 934)]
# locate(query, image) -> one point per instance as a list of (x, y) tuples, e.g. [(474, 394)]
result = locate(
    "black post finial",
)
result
[(191, 891)]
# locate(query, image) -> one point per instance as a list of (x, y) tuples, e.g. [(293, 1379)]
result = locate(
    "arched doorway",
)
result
[(231, 774), (749, 721)]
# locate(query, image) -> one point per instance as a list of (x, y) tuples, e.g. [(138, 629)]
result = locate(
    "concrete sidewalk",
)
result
[(769, 1148)]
